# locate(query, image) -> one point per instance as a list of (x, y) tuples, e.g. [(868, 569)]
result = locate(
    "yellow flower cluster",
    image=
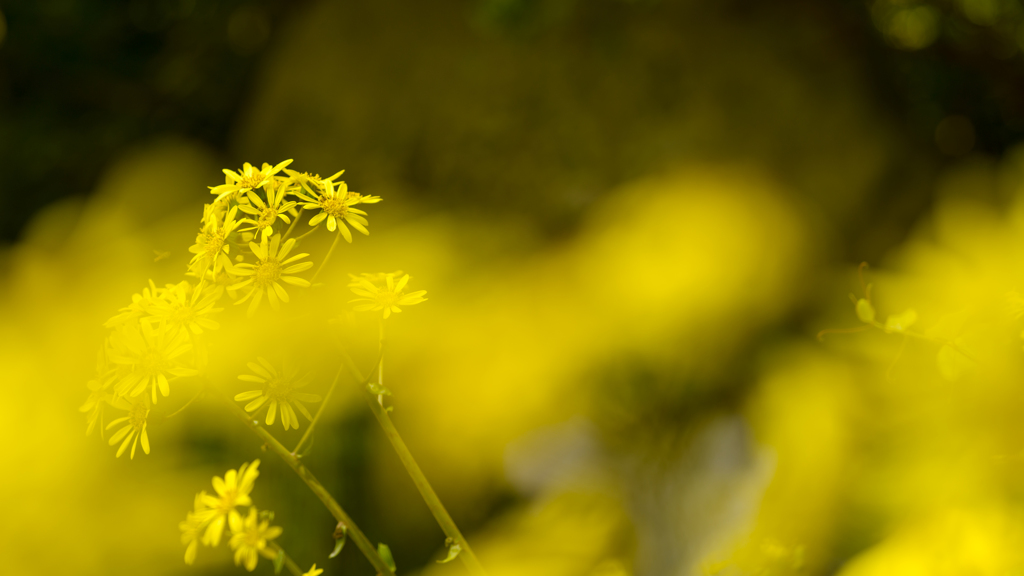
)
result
[(251, 536), (245, 250), (279, 390), (383, 292)]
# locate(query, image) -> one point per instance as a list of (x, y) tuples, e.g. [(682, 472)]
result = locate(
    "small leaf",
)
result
[(385, 554), (453, 551), (865, 311), (340, 536), (278, 561), (901, 322)]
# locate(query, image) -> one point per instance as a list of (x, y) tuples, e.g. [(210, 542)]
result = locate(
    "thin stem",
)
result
[(426, 491), (187, 404), (288, 562), (332, 505), (301, 236), (316, 417), (320, 410), (328, 257), (298, 217)]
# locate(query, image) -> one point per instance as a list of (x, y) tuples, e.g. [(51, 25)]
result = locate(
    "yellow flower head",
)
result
[(134, 425), (273, 266), (211, 248), (263, 215), (280, 389), (191, 526), (314, 571), (181, 310), (150, 354), (248, 178), (335, 206), (383, 292), (98, 391), (249, 538), (139, 308), (232, 490)]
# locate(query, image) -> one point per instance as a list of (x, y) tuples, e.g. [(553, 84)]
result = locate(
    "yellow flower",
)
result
[(191, 526), (336, 208), (139, 307), (314, 571), (181, 312), (249, 538), (266, 213), (272, 266), (98, 394), (135, 425), (280, 389), (305, 179), (246, 179), (211, 248), (358, 198), (152, 354), (232, 490), (381, 292)]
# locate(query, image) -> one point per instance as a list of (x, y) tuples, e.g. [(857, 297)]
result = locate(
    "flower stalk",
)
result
[(330, 503)]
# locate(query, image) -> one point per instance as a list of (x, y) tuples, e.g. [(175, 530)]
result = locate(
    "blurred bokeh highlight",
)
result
[(632, 219)]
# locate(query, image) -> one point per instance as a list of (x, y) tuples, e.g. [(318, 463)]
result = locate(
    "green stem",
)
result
[(328, 257), (419, 479), (288, 562), (332, 505), (316, 417), (294, 222)]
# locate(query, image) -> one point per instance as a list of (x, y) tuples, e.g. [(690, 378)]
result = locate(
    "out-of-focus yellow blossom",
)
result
[(263, 215), (249, 538), (336, 207), (280, 389), (183, 311), (139, 307), (191, 527), (273, 265), (232, 490), (152, 353), (381, 292), (236, 184), (212, 251), (135, 425), (314, 571)]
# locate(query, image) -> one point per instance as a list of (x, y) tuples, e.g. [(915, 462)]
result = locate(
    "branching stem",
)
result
[(332, 505)]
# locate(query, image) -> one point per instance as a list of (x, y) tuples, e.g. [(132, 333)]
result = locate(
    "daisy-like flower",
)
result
[(152, 353), (191, 527), (262, 214), (314, 571), (98, 393), (212, 251), (134, 425), (141, 302), (280, 388), (249, 538), (273, 266), (309, 181), (382, 292), (236, 184), (232, 490), (181, 311), (335, 206), (363, 199)]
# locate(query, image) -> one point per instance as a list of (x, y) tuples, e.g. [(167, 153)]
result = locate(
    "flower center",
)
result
[(252, 181), (334, 206), (137, 417), (267, 273), (278, 389), (213, 241), (183, 315), (151, 362), (267, 217)]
